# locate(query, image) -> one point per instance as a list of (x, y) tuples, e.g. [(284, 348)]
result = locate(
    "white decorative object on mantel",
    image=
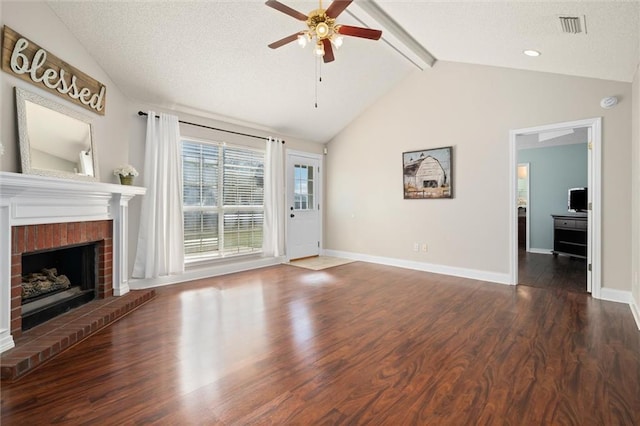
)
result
[(31, 200)]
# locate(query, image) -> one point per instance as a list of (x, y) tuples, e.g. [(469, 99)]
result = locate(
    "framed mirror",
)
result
[(54, 140)]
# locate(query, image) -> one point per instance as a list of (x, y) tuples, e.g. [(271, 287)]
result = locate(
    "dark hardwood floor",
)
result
[(553, 272), (355, 344)]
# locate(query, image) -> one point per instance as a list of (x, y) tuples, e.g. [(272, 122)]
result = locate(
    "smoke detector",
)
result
[(572, 24), (609, 102)]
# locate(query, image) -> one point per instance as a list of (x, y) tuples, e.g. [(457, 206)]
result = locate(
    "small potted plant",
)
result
[(126, 174)]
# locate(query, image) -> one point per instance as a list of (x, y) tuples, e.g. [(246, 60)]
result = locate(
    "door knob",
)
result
[(293, 215)]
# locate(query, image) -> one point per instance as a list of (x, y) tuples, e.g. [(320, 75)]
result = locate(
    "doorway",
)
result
[(304, 189), (593, 261), (524, 221)]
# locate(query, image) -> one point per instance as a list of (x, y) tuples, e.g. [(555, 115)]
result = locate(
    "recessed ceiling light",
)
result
[(530, 52)]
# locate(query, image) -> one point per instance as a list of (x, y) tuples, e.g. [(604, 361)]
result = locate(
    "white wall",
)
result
[(472, 108), (36, 21)]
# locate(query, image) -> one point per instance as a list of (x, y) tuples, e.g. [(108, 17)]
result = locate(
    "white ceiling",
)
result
[(553, 138), (211, 57)]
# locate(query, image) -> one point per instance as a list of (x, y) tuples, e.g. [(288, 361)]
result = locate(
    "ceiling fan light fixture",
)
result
[(322, 30), (337, 40), (303, 39), (319, 50)]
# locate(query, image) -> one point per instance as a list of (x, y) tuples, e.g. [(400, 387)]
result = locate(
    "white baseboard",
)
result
[(474, 274), (613, 295), (635, 311), (622, 296), (205, 272), (540, 251)]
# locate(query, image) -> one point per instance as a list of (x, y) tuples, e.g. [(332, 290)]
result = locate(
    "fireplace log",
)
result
[(45, 281)]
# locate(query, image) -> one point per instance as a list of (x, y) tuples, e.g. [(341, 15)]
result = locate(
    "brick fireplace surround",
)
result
[(31, 238), (40, 213)]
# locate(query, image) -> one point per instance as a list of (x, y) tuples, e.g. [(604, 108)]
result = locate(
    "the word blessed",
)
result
[(60, 81)]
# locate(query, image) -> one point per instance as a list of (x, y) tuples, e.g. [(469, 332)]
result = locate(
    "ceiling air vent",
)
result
[(573, 24)]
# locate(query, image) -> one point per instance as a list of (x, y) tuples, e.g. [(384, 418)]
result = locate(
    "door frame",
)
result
[(594, 229), (319, 195)]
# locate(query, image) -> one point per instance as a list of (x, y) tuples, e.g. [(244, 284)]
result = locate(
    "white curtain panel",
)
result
[(274, 196), (161, 234)]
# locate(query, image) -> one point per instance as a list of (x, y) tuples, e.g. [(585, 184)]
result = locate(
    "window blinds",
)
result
[(223, 199)]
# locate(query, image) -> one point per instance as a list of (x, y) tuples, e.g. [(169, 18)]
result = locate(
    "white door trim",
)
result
[(320, 198), (595, 191)]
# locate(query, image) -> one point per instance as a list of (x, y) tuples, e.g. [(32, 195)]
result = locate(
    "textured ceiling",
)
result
[(211, 57)]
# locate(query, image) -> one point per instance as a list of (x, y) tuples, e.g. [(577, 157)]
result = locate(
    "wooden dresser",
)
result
[(570, 235)]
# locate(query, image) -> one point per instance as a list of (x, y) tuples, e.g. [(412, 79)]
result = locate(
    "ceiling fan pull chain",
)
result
[(316, 80)]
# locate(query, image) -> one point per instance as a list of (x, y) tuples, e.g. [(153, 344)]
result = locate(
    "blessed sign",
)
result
[(30, 62)]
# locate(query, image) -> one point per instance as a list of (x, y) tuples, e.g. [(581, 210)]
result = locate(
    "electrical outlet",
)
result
[(425, 248), (416, 247)]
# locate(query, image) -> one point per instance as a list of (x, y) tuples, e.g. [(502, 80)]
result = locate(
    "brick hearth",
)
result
[(41, 343), (45, 341)]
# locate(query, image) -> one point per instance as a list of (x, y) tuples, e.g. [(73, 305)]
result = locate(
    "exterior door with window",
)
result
[(303, 206)]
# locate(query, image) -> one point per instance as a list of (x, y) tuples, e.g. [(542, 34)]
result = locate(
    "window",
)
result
[(223, 200), (303, 187)]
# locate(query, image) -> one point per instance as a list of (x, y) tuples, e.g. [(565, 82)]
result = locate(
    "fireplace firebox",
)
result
[(57, 280)]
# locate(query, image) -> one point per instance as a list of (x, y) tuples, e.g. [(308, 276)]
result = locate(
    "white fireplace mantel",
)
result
[(31, 200)]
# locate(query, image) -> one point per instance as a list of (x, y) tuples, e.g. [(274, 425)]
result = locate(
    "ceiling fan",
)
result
[(322, 28)]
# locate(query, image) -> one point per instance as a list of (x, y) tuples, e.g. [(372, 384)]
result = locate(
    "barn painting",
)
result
[(427, 173)]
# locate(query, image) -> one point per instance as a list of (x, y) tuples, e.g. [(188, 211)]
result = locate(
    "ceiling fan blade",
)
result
[(286, 10), (328, 51), (286, 40), (359, 32), (336, 8)]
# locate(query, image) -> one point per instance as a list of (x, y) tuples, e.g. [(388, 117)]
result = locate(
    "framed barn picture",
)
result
[(428, 174)]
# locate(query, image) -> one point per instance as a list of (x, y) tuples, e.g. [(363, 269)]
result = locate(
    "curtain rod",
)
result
[(141, 113)]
